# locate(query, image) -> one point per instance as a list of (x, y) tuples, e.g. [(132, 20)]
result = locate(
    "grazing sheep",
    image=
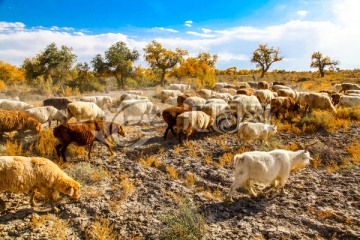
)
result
[(253, 85), (205, 93), (349, 101), (248, 131), (266, 167), (180, 87), (287, 93), (29, 174), (275, 88), (337, 87), (14, 105), (318, 101), (226, 96), (349, 86), (219, 86), (58, 103), (215, 100), (180, 99), (138, 107), (219, 112), (101, 101), (169, 115), (263, 85), (84, 111), (188, 122), (244, 85), (46, 114), (194, 103), (246, 91), (231, 91), (243, 106), (282, 105), (18, 121), (84, 134), (165, 94), (264, 96)]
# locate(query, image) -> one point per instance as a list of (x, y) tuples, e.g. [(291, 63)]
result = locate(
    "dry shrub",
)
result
[(86, 174), (317, 162), (332, 167), (45, 143), (127, 187), (172, 172), (292, 147), (177, 150), (349, 113), (71, 91), (242, 150), (55, 227), (13, 148), (92, 192), (207, 159), (101, 229), (354, 150), (322, 121), (189, 181), (148, 160), (226, 158), (213, 195)]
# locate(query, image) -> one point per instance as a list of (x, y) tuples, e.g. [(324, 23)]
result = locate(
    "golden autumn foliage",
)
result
[(10, 74)]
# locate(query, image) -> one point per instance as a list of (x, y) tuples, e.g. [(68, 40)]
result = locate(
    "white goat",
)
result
[(248, 131), (266, 167)]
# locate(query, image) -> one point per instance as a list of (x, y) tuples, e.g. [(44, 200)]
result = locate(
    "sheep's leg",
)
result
[(58, 147), (282, 184), (63, 150), (90, 148), (249, 188), (172, 130), (52, 201), (167, 130), (32, 198), (49, 123), (238, 182)]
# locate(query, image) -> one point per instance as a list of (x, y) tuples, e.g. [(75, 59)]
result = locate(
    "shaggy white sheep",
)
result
[(138, 107), (84, 111), (244, 106), (249, 131), (194, 103), (46, 114), (14, 105)]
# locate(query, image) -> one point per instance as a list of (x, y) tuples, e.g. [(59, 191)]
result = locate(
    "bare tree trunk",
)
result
[(163, 79)]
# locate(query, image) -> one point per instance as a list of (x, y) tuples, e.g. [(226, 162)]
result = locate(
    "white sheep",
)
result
[(267, 168), (180, 87), (349, 101), (244, 106), (287, 93), (318, 101), (221, 113), (194, 102), (226, 96), (46, 114), (352, 91), (29, 174), (219, 86), (166, 94), (101, 101), (275, 88), (135, 92), (14, 105), (349, 86), (249, 131), (231, 91), (205, 93), (84, 111), (188, 122), (138, 107), (215, 100)]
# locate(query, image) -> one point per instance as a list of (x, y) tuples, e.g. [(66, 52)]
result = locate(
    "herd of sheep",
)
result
[(227, 108)]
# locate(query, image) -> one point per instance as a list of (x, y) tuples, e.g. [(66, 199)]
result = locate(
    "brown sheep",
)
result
[(59, 103), (335, 98), (282, 105), (18, 121), (180, 99), (246, 91), (26, 174), (84, 134), (169, 115)]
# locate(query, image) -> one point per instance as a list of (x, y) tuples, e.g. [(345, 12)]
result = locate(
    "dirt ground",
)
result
[(129, 195)]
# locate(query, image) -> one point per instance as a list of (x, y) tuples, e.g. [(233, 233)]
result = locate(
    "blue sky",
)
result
[(232, 29)]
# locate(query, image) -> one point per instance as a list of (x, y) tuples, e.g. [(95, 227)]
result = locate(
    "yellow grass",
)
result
[(13, 148), (225, 159), (101, 229), (189, 181), (127, 187), (354, 150), (172, 172)]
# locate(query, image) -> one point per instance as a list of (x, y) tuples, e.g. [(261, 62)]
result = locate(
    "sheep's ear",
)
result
[(70, 191)]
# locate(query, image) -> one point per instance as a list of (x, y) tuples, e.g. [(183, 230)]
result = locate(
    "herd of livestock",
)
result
[(226, 108)]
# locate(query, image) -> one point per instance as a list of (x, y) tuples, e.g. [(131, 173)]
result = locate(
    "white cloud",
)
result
[(7, 26), (205, 30), (188, 23), (204, 35), (165, 29), (227, 56), (302, 13)]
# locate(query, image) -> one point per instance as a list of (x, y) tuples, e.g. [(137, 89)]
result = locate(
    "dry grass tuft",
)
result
[(127, 187), (45, 143), (101, 229), (207, 159), (189, 181), (354, 150), (172, 172), (13, 148), (226, 159)]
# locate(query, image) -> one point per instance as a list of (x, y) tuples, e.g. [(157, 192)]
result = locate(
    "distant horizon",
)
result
[(232, 29)]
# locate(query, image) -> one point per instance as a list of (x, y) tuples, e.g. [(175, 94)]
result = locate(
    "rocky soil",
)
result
[(128, 196)]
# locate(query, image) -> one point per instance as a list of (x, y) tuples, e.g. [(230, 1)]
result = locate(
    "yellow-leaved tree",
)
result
[(10, 74)]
